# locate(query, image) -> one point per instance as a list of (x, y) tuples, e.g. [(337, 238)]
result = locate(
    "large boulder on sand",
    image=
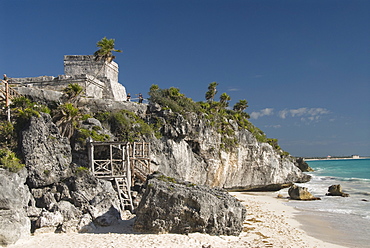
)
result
[(300, 193), (336, 190), (170, 206)]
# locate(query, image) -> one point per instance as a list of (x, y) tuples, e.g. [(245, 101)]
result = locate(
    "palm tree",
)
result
[(212, 91), (224, 100), (106, 49), (73, 91), (67, 119), (240, 106)]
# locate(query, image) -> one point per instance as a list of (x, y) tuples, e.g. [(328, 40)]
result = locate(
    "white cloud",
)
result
[(298, 112), (318, 111), (273, 126), (263, 112), (305, 113), (283, 113)]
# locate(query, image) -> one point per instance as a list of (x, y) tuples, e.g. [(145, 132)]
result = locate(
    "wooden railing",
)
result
[(120, 158)]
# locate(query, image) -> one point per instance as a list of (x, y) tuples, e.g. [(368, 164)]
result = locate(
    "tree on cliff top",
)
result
[(240, 106), (224, 100), (212, 91), (106, 49)]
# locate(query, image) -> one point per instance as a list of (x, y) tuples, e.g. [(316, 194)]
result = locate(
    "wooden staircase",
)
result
[(7, 94), (6, 90), (124, 193), (126, 162)]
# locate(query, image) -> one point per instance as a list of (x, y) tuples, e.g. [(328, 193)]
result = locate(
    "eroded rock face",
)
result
[(192, 150), (336, 190), (300, 193), (14, 197), (62, 199), (169, 206), (46, 153)]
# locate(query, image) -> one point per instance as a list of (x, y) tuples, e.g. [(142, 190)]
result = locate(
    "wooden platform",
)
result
[(121, 162)]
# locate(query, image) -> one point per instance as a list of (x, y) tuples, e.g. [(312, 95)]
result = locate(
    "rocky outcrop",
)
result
[(336, 190), (45, 97), (14, 196), (300, 193), (77, 204), (192, 150), (62, 196), (170, 206), (103, 105), (46, 153), (302, 165)]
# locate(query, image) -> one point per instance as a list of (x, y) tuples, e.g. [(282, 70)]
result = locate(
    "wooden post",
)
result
[(128, 172), (7, 100), (111, 160), (90, 149)]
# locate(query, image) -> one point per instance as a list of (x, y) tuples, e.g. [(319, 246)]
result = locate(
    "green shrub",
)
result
[(81, 170), (274, 143), (43, 108), (228, 143), (103, 117), (27, 113), (73, 90), (167, 179), (9, 161), (22, 102), (85, 117), (83, 134), (6, 132), (172, 99), (126, 125), (24, 109)]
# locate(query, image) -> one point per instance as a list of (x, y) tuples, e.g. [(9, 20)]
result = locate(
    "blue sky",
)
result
[(303, 66)]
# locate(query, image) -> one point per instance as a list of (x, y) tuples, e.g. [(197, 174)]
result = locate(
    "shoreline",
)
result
[(280, 219), (269, 223), (334, 158)]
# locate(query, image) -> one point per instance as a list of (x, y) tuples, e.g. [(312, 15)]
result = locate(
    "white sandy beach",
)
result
[(269, 223)]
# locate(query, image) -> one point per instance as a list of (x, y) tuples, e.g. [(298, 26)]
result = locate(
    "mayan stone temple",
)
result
[(99, 78)]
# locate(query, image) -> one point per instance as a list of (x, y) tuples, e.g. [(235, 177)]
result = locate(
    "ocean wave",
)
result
[(324, 178), (346, 179), (354, 179), (336, 211)]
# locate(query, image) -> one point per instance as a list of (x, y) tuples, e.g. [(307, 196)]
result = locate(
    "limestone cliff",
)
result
[(191, 149)]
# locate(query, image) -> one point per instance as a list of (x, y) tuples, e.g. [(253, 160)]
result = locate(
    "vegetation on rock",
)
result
[(126, 125), (9, 161), (73, 91), (106, 47), (217, 114)]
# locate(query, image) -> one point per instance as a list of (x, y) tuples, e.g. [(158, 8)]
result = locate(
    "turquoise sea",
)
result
[(349, 215)]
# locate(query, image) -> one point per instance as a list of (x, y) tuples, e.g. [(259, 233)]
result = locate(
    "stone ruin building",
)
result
[(98, 78)]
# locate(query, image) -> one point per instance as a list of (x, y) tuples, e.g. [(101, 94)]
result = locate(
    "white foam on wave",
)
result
[(337, 211)]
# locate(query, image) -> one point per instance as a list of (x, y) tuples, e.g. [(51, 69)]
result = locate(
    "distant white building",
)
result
[(355, 156)]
